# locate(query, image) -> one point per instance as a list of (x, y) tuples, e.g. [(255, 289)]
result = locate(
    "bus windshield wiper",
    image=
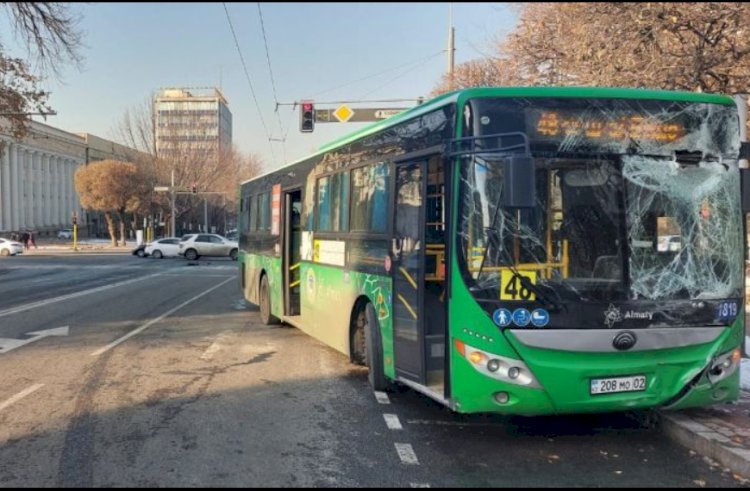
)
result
[(541, 295)]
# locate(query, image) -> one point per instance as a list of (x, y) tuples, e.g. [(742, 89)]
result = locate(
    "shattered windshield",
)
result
[(654, 215)]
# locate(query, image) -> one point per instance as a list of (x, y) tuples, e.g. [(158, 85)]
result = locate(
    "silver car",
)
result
[(194, 246)]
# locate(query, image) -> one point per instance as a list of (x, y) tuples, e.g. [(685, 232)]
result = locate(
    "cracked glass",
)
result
[(635, 199)]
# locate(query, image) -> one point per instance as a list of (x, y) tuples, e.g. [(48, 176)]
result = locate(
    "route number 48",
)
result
[(511, 287)]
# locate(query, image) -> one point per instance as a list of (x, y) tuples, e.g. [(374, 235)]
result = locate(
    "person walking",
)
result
[(32, 240), (25, 240)]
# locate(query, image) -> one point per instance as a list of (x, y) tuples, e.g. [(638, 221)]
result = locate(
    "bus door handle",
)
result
[(396, 248)]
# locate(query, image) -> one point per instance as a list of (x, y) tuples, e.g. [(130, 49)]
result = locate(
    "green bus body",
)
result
[(413, 216)]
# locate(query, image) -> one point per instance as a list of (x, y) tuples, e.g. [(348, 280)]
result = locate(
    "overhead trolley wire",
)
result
[(273, 82), (249, 81)]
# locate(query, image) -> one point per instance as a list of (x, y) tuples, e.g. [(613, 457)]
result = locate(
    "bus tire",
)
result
[(374, 351), (265, 303)]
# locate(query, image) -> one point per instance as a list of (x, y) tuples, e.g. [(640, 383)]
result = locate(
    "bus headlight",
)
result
[(724, 366), (498, 367)]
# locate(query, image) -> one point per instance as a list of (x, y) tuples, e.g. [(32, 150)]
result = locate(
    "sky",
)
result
[(326, 52)]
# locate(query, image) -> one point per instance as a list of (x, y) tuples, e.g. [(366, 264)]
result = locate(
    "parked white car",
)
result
[(168, 247), (10, 247), (194, 246), (65, 234)]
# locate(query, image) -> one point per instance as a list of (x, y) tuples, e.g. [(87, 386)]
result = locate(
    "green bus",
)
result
[(517, 250)]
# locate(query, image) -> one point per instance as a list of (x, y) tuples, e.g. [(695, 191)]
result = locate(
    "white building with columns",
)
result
[(37, 189)]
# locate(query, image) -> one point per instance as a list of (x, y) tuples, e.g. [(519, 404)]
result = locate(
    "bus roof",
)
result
[(477, 92)]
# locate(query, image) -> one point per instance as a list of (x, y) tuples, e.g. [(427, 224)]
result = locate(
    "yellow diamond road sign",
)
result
[(343, 113)]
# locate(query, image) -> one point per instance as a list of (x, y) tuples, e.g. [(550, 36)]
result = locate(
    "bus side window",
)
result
[(369, 208), (333, 201), (253, 210)]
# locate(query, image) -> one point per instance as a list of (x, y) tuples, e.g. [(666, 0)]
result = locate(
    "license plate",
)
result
[(635, 383)]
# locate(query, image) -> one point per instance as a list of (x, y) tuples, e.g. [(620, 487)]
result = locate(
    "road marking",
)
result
[(406, 453), (49, 301), (392, 421), (20, 395), (8, 344), (382, 397), (154, 321), (447, 423), (215, 346), (186, 273), (418, 485)]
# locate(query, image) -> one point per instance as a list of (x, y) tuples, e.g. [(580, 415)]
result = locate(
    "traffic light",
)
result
[(307, 117), (195, 189)]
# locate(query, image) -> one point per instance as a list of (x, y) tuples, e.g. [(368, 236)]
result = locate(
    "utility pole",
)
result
[(205, 213), (173, 229), (451, 47)]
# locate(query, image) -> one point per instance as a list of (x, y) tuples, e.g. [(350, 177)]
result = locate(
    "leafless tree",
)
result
[(49, 31), (701, 46), (50, 34), (204, 165)]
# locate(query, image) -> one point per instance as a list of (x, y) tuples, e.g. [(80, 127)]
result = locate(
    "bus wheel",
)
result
[(374, 350), (265, 303)]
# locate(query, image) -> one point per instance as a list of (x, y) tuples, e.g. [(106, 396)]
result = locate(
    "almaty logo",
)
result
[(612, 315)]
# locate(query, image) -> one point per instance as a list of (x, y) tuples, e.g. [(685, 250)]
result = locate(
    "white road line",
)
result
[(446, 423), (418, 485), (154, 321), (215, 346), (382, 397), (186, 273), (20, 395), (406, 453), (49, 301), (392, 421)]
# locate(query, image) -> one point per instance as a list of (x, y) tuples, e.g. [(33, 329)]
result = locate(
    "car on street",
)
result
[(140, 250), (232, 235), (65, 234), (193, 246), (10, 247), (168, 247)]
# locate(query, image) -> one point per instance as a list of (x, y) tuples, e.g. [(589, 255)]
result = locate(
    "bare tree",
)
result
[(684, 46), (50, 35), (48, 30), (201, 164), (483, 72)]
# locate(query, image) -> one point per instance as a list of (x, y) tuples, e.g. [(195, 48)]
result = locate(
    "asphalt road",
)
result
[(165, 377)]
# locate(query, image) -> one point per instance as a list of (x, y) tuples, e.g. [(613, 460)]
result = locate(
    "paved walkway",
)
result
[(720, 432)]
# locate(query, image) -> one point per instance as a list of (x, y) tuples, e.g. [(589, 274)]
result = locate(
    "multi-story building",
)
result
[(37, 188), (194, 122)]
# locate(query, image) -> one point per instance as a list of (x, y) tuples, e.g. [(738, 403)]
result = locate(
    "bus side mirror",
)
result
[(519, 184), (745, 187)]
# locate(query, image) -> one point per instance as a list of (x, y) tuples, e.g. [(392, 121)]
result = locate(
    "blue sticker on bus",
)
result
[(502, 317), (727, 311), (540, 317), (521, 317)]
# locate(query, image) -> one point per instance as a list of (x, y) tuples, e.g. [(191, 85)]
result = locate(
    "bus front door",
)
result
[(407, 254), (292, 238)]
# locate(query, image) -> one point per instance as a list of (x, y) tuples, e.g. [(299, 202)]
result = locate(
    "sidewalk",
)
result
[(57, 246), (721, 432)]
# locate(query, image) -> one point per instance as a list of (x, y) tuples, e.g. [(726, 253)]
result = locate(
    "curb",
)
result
[(705, 441)]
